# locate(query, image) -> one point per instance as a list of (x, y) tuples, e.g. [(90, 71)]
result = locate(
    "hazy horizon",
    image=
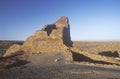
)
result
[(90, 20)]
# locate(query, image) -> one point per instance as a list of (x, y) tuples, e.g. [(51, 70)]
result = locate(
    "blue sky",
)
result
[(90, 20)]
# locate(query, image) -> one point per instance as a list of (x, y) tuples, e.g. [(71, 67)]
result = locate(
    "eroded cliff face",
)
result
[(51, 38)]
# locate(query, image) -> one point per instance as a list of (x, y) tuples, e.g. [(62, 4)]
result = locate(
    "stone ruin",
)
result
[(55, 38), (51, 38)]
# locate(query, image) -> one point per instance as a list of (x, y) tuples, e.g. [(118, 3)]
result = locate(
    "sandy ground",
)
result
[(44, 66), (54, 66)]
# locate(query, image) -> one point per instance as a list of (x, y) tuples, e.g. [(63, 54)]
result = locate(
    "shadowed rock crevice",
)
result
[(49, 29), (67, 39)]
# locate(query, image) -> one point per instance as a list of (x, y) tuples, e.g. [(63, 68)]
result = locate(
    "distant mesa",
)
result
[(51, 38)]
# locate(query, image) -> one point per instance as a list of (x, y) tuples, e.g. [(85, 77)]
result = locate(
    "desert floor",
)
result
[(44, 65)]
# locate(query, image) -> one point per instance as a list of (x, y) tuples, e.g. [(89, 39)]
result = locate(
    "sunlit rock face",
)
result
[(51, 38)]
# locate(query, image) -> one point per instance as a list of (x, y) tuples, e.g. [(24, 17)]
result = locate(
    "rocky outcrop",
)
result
[(51, 38), (55, 38), (13, 49)]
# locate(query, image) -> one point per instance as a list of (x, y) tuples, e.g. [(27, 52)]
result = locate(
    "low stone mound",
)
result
[(14, 48)]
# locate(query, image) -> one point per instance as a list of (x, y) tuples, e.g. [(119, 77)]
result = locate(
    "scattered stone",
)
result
[(59, 59), (118, 58)]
